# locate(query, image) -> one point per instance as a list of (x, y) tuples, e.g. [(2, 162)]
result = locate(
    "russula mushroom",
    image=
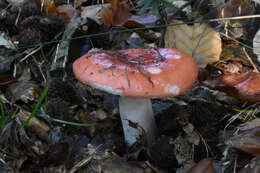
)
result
[(138, 75)]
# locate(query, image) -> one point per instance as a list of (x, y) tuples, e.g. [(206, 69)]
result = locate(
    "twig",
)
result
[(235, 165), (127, 78), (152, 167), (29, 53), (250, 60), (234, 18), (83, 162)]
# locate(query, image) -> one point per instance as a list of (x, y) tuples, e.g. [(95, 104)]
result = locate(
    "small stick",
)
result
[(250, 60), (152, 167)]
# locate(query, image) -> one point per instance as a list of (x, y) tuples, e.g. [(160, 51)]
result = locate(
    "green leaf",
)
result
[(73, 123), (167, 4), (155, 8), (146, 6)]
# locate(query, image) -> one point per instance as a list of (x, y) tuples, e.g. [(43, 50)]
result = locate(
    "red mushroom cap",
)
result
[(142, 73)]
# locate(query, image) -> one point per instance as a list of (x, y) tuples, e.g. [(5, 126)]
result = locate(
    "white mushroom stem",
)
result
[(138, 111)]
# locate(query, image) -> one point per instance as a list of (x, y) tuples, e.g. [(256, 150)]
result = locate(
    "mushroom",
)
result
[(138, 75)]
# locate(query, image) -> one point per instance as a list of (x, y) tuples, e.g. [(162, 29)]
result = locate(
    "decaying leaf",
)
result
[(244, 86), (6, 79), (199, 40), (204, 166), (142, 20), (256, 44), (252, 167), (251, 124), (117, 14), (235, 28), (79, 2), (69, 10), (6, 41), (49, 7), (35, 125), (180, 3), (248, 141), (233, 65), (93, 10), (23, 90)]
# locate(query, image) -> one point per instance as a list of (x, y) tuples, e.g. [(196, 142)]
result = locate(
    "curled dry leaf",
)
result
[(204, 166), (248, 141), (199, 40), (244, 86)]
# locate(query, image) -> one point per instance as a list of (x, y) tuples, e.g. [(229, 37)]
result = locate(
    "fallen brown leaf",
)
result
[(49, 7), (248, 141), (198, 40), (35, 125), (117, 14), (204, 166), (252, 167), (141, 21), (244, 86)]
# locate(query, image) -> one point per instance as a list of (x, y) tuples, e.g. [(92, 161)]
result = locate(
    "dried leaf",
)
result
[(57, 153), (35, 125), (204, 166), (79, 2), (66, 10), (256, 44), (116, 15), (199, 40), (235, 28), (252, 167), (49, 7), (6, 79), (245, 86), (251, 124), (141, 21), (23, 90), (248, 141), (233, 66), (180, 3), (6, 41), (93, 10)]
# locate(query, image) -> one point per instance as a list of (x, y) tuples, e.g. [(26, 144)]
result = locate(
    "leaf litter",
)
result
[(190, 126)]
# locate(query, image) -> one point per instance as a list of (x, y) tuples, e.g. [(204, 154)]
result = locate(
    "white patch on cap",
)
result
[(176, 56), (167, 56), (173, 89), (154, 70), (108, 89)]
